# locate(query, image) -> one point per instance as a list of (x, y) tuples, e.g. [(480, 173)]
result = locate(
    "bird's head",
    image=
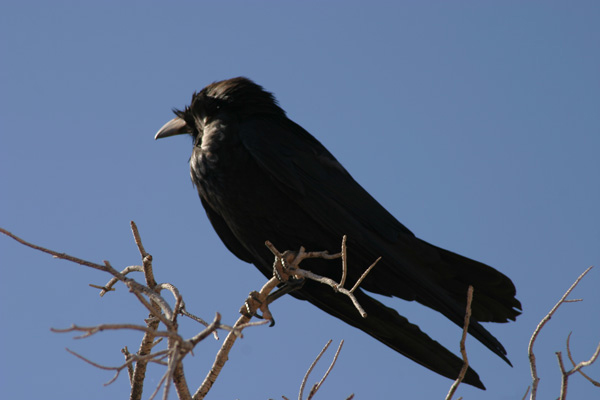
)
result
[(237, 97)]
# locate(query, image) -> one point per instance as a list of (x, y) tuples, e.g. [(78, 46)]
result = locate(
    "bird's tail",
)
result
[(390, 328), (439, 279), (494, 296)]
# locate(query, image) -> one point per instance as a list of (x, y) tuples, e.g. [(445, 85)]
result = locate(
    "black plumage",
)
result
[(260, 176)]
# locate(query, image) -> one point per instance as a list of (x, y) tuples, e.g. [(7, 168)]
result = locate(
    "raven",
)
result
[(260, 176)]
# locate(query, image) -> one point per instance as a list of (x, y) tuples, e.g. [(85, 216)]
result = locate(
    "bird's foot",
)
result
[(283, 266), (251, 306)]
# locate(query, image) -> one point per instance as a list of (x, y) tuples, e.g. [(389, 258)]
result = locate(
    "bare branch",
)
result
[(209, 329), (463, 348), (565, 374), (312, 366), (220, 360), (257, 323), (155, 357), (173, 362), (103, 288), (158, 386), (222, 355), (157, 300), (109, 286), (160, 311), (543, 322), (364, 275), (592, 381), (291, 264), (317, 386), (183, 311), (127, 355), (157, 303), (171, 288), (56, 254), (344, 262), (91, 330), (146, 258), (588, 362), (139, 372), (330, 282)]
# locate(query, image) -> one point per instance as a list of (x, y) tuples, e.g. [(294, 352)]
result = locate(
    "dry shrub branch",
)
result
[(162, 321)]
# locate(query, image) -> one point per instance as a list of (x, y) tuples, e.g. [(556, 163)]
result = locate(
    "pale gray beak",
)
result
[(176, 126)]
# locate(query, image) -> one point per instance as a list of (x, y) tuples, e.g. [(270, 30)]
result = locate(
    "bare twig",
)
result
[(317, 386), (463, 348), (156, 304), (109, 286), (255, 301), (209, 329), (363, 276), (183, 311), (61, 256), (146, 258), (220, 360), (592, 381), (344, 261), (171, 288), (128, 357), (243, 326), (156, 358), (139, 372), (312, 366), (91, 330), (158, 386), (565, 374), (532, 361), (301, 255)]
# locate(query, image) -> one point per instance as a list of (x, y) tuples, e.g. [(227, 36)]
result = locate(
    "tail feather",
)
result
[(390, 328), (494, 296), (439, 279)]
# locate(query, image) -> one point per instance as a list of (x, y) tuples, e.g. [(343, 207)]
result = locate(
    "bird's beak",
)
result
[(176, 126)]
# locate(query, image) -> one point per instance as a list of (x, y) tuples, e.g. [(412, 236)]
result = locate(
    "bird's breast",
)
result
[(220, 167)]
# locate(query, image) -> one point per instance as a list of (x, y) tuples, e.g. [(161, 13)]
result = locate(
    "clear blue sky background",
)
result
[(476, 123)]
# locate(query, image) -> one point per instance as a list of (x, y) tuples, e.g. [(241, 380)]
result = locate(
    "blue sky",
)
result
[(476, 124)]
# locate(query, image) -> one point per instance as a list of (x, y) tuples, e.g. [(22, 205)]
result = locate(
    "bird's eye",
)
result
[(214, 106)]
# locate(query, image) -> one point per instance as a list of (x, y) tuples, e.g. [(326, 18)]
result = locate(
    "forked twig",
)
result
[(312, 366), (318, 385), (592, 381), (290, 263), (547, 317), (565, 374)]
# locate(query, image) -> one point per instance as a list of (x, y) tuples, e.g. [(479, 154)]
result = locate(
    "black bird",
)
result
[(261, 176)]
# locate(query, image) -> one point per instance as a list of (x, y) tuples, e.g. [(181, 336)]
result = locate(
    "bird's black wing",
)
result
[(227, 237), (303, 165), (317, 183)]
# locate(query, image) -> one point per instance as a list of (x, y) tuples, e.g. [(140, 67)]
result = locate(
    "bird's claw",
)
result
[(253, 304), (283, 266)]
